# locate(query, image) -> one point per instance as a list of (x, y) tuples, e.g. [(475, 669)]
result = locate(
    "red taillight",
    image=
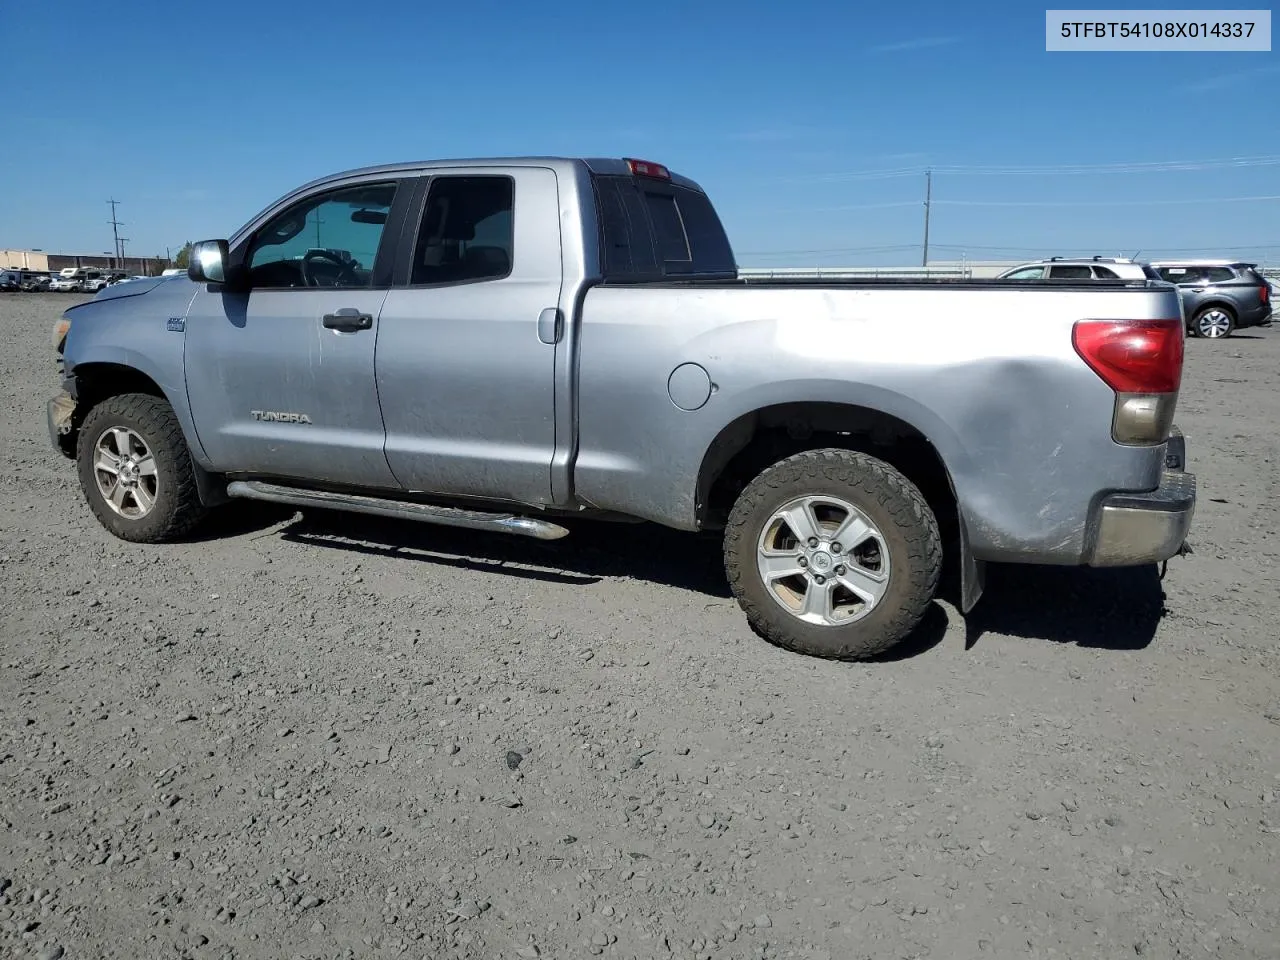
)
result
[(644, 168), (1132, 356), (1265, 292)]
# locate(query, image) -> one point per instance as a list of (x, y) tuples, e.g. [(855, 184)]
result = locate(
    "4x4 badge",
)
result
[(176, 324)]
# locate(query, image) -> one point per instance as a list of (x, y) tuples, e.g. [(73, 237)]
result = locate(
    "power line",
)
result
[(841, 208), (892, 248), (1058, 169), (1102, 203), (871, 206), (1158, 166), (895, 248), (1261, 245)]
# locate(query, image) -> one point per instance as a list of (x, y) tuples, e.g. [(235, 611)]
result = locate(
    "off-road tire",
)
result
[(177, 507), (890, 500)]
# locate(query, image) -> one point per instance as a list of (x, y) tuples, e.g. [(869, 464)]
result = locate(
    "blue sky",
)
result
[(194, 116)]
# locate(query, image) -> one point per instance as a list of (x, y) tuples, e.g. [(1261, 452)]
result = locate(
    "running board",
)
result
[(397, 509)]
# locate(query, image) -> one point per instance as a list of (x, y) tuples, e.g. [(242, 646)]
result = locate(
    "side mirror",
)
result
[(208, 262)]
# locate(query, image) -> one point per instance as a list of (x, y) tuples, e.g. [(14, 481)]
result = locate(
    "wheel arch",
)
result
[(766, 435), (91, 382), (763, 436), (1226, 305), (99, 374)]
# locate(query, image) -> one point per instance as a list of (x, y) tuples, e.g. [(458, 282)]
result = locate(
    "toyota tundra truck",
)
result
[(514, 344)]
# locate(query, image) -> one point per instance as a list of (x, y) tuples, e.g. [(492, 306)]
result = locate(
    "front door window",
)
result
[(329, 240)]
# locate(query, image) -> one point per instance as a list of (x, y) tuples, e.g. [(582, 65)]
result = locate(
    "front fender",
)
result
[(140, 334)]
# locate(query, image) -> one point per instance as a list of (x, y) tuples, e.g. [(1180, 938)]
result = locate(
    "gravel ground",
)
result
[(323, 736)]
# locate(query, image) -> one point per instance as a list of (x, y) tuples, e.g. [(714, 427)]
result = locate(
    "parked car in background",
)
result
[(1219, 296), (1080, 268), (35, 282), (64, 284), (10, 280)]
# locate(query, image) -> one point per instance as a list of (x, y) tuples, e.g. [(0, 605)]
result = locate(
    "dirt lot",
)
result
[(295, 737)]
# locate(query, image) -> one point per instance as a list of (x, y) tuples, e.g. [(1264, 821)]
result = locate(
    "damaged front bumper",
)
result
[(60, 412)]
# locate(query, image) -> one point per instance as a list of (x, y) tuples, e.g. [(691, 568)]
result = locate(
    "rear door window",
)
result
[(1182, 276), (1220, 274), (467, 231), (1069, 271)]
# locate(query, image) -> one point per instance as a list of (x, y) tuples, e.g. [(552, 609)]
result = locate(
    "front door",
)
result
[(281, 379), (467, 345)]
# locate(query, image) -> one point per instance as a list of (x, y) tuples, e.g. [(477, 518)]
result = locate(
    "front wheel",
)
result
[(135, 469), (833, 553), (1213, 323)]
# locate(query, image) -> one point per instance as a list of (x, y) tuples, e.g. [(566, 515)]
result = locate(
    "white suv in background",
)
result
[(1081, 268)]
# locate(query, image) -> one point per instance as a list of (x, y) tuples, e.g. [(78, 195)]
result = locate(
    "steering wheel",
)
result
[(346, 271)]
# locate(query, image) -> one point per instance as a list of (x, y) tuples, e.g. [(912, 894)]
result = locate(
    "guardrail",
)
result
[(847, 273)]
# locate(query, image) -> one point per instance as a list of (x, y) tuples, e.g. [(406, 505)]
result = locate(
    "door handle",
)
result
[(550, 325), (348, 318)]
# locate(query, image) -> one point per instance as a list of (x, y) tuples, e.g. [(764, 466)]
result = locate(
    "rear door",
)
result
[(468, 337)]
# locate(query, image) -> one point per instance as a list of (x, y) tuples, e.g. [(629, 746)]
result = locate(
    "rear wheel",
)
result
[(135, 469), (1213, 323), (833, 553)]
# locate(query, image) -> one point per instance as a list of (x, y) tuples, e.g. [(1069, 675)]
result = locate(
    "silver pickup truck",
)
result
[(511, 344)]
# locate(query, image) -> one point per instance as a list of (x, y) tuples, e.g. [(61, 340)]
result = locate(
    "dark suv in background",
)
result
[(1218, 296)]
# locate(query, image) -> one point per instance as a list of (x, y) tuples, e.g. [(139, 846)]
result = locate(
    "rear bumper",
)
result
[(1141, 528), (1258, 316)]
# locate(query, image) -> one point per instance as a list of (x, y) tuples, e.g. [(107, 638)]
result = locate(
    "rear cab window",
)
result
[(1181, 275), (654, 229)]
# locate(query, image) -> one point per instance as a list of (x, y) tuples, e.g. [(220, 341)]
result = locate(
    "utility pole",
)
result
[(115, 229), (123, 241), (928, 197)]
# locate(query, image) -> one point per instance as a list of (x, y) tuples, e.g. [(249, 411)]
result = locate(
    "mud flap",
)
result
[(210, 488), (973, 573)]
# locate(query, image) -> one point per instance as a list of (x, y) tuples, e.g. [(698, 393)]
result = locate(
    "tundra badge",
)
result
[(276, 417)]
